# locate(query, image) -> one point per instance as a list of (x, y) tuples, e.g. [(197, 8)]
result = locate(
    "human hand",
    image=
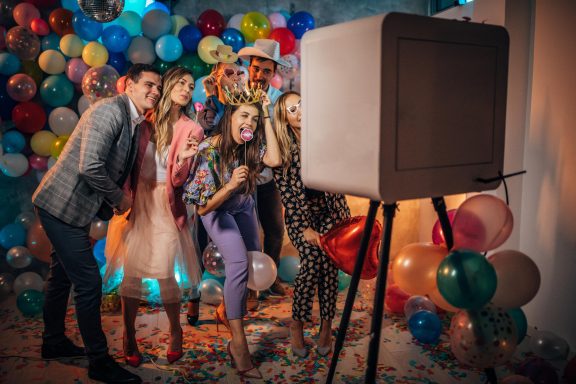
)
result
[(239, 176), (265, 103), (189, 148), (209, 85), (311, 236), (125, 204)]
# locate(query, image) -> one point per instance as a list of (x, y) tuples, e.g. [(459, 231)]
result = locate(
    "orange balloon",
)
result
[(60, 21), (414, 268), (38, 242)]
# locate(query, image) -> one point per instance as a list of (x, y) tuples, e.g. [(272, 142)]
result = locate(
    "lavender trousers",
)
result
[(233, 228)]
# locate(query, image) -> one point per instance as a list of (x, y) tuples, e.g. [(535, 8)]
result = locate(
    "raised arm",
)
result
[(272, 157)]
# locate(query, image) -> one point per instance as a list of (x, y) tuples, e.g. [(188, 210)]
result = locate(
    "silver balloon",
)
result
[(19, 257), (98, 229), (418, 303), (26, 219), (101, 10), (6, 283), (28, 280), (212, 291), (549, 346), (213, 261)]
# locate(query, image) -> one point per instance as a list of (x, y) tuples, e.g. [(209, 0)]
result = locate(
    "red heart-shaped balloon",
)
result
[(342, 242)]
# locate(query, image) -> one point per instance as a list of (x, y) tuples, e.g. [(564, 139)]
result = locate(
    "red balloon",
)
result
[(60, 21), (28, 117), (38, 242), (285, 38), (39, 27), (211, 22), (38, 162), (341, 244), (395, 299), (437, 234)]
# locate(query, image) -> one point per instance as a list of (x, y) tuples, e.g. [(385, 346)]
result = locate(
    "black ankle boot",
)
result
[(65, 348), (193, 318), (107, 370)]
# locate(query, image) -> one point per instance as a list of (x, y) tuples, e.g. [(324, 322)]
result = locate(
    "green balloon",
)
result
[(30, 302), (466, 279), (343, 280), (195, 64), (517, 314), (57, 90), (162, 66)]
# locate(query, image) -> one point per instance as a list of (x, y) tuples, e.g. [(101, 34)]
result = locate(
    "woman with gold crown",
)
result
[(221, 185)]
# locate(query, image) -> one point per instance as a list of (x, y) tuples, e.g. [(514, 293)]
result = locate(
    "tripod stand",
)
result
[(380, 289)]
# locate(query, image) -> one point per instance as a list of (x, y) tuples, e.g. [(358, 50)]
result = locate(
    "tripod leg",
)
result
[(352, 289), (376, 327)]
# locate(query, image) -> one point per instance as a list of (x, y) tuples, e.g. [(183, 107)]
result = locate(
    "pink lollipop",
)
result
[(246, 134)]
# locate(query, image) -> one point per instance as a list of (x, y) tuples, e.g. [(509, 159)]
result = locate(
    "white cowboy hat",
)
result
[(224, 54), (266, 48)]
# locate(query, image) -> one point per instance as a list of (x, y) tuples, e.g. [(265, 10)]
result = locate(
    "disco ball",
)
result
[(103, 11)]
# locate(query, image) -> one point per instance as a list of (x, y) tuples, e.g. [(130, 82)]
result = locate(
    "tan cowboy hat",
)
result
[(224, 54), (266, 48)]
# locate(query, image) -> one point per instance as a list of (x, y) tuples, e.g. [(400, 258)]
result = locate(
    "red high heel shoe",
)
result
[(173, 356), (133, 359), (250, 373), (221, 318)]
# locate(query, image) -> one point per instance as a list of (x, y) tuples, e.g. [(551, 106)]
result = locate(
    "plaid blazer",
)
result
[(91, 164)]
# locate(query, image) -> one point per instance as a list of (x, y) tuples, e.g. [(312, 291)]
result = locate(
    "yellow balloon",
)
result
[(178, 22), (95, 54), (416, 265), (52, 62), (255, 25), (207, 44), (71, 45), (57, 146), (41, 142)]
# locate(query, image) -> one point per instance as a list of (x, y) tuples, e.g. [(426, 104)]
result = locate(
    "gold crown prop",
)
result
[(243, 96)]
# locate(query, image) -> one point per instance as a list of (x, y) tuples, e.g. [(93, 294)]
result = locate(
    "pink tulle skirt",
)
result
[(155, 260)]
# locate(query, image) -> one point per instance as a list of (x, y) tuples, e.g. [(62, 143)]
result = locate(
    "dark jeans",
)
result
[(269, 207), (72, 263)]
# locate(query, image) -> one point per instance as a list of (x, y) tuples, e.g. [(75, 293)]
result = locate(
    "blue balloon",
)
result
[(131, 21), (51, 41), (425, 326), (519, 318), (13, 142), (9, 63), (85, 27), (199, 94), (190, 36), (30, 302), (169, 48), (288, 268), (135, 6), (71, 5), (156, 5), (300, 22), (98, 252), (6, 102), (12, 235), (112, 283), (118, 61), (57, 90), (116, 38), (233, 38)]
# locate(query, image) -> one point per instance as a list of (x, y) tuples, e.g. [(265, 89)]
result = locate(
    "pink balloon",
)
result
[(482, 223), (75, 69), (276, 81), (21, 87), (437, 234), (24, 13), (39, 27), (38, 162), (277, 20)]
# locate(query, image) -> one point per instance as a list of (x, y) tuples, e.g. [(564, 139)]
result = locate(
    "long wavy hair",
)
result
[(161, 116), (281, 128), (230, 151)]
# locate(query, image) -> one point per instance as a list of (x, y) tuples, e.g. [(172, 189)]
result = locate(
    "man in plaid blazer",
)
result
[(68, 198)]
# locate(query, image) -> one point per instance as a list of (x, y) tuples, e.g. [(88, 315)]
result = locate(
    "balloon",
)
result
[(156, 5), (207, 44), (28, 280), (52, 62), (168, 48), (118, 61), (21, 87), (95, 54), (518, 278), (29, 117), (141, 50), (211, 23), (136, 6), (285, 38), (516, 379), (57, 146), (85, 27), (290, 73), (276, 81), (98, 229), (520, 321), (41, 142), (341, 244), (40, 163), (57, 90), (39, 27), (235, 21), (83, 104), (6, 283), (9, 64), (71, 5), (254, 26), (549, 346), (190, 36), (207, 275), (25, 219), (60, 21), (440, 302), (300, 22), (213, 261), (121, 84), (23, 43), (12, 235), (482, 223), (30, 302), (418, 303), (277, 20), (24, 13), (288, 268), (32, 69), (13, 165), (162, 66), (116, 38), (13, 142), (178, 22), (262, 271), (466, 279), (437, 234), (199, 93), (71, 45), (415, 267), (50, 41), (425, 326), (62, 121), (100, 82), (99, 251), (130, 21), (195, 64), (344, 280), (156, 23), (233, 38), (396, 299), (110, 303), (38, 243), (212, 291), (539, 371), (19, 257)]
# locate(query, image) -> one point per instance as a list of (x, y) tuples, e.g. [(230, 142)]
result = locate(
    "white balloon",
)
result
[(262, 271), (18, 257), (62, 121), (83, 104), (212, 291), (28, 280), (235, 21), (14, 164)]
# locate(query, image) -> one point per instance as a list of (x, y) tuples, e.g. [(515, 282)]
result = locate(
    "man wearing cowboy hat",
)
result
[(264, 58)]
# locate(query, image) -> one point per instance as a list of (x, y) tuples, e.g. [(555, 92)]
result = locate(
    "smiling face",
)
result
[(261, 72), (293, 111), (182, 90), (246, 116), (145, 92), (230, 76)]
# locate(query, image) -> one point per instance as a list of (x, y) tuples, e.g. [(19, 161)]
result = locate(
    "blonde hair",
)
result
[(161, 116), (281, 128)]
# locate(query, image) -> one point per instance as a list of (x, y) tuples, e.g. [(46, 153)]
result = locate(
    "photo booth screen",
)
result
[(401, 106)]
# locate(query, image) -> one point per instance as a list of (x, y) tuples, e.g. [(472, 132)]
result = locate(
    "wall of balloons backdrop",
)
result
[(57, 59)]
